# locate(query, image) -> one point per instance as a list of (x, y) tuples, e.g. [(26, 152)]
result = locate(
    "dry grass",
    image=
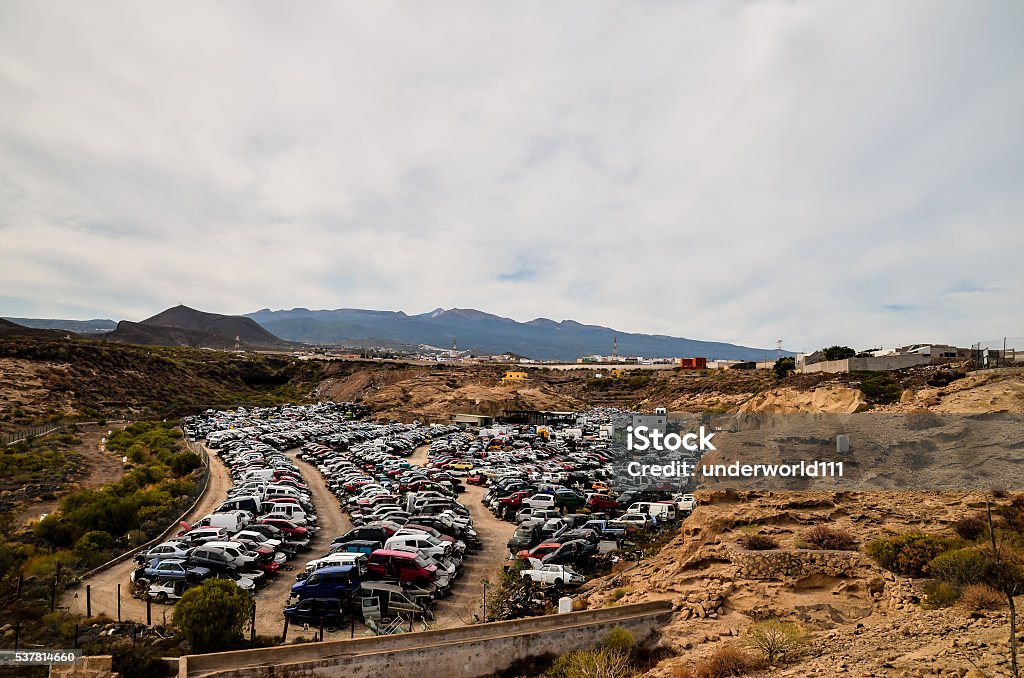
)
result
[(982, 597)]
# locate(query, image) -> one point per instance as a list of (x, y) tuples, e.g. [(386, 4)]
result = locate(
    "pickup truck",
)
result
[(552, 575)]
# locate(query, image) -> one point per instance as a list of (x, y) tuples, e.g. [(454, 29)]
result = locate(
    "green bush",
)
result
[(971, 528), (939, 594), (960, 567), (603, 663), (93, 548), (909, 554), (212, 615), (619, 640)]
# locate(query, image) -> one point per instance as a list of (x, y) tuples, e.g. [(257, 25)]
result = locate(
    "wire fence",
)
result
[(36, 431)]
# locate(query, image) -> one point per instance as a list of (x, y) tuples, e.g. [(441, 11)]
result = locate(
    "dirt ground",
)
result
[(103, 467)]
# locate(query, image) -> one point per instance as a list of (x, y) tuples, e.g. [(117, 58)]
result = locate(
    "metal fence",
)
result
[(36, 431)]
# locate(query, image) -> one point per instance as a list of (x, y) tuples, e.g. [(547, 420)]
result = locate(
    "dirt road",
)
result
[(104, 584), (466, 599), (333, 522)]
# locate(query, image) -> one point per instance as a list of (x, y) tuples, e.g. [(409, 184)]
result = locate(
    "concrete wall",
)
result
[(872, 364), (468, 651)]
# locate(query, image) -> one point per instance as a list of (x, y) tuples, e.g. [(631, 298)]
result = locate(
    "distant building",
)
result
[(657, 421), (617, 373), (693, 363), (514, 375), (474, 420)]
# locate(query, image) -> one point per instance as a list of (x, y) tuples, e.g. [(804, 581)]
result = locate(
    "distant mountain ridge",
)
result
[(12, 329), (94, 326), (485, 333), (184, 326)]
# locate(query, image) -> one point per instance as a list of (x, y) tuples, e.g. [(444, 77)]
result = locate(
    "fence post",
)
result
[(252, 632), (119, 603), (88, 600), (149, 610), (53, 588), (284, 634)]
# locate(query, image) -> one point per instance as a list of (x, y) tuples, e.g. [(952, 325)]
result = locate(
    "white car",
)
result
[(552, 575), (685, 503), (540, 501)]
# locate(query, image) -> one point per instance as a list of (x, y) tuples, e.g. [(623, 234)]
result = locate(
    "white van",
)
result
[(663, 512)]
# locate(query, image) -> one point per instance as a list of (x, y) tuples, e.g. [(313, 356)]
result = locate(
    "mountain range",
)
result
[(485, 333), (471, 330)]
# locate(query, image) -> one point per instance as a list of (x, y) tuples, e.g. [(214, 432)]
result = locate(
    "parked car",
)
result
[(553, 575), (339, 581)]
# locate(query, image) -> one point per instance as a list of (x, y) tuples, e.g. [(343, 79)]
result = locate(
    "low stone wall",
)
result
[(795, 564), (98, 666), (469, 651)]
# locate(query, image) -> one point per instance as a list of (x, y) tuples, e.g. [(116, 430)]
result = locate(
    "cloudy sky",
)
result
[(815, 171)]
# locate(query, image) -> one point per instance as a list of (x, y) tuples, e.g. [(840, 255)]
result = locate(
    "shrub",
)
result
[(776, 640), (137, 661), (93, 548), (971, 528), (759, 542), (982, 597), (960, 567), (909, 554), (603, 663), (939, 594), (212, 615), (831, 540), (617, 594), (619, 640), (724, 662)]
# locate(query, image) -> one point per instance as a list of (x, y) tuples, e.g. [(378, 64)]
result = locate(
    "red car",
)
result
[(287, 527), (602, 502), (404, 567)]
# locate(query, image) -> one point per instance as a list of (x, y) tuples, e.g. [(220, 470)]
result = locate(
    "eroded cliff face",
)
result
[(833, 399), (861, 618)]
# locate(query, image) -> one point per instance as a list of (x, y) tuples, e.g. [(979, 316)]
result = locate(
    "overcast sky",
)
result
[(819, 172)]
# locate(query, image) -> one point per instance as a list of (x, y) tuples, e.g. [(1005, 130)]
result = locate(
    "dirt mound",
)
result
[(826, 399), (860, 617)]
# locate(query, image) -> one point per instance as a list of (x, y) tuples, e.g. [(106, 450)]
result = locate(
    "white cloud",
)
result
[(818, 172)]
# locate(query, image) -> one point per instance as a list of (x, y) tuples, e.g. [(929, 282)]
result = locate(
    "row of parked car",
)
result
[(556, 484), (411, 532), (267, 518)]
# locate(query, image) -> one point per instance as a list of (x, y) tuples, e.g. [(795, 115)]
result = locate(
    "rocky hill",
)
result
[(44, 378), (184, 326)]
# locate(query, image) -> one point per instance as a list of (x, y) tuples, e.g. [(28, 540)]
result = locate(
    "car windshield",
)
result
[(421, 561)]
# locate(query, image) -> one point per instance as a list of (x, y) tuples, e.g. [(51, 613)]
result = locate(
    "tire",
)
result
[(161, 597), (558, 582)]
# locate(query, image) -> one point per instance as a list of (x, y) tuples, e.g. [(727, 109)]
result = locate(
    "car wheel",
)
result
[(161, 597), (558, 582)]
